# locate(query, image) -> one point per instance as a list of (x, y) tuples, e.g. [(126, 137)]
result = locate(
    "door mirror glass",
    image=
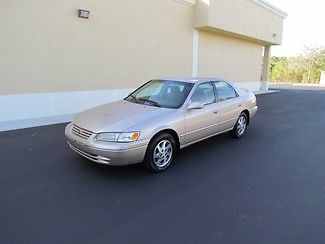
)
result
[(195, 105)]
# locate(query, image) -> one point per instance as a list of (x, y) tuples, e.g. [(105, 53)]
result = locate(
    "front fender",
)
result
[(174, 123)]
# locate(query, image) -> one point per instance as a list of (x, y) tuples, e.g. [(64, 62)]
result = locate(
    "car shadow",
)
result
[(187, 159)]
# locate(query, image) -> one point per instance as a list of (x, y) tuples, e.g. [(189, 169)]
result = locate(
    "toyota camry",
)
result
[(154, 122)]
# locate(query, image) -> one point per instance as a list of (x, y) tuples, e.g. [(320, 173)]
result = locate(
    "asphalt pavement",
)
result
[(267, 187)]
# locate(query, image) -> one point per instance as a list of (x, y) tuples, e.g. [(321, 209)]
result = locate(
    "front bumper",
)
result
[(115, 154)]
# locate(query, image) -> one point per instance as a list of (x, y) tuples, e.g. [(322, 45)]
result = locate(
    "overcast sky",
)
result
[(305, 25)]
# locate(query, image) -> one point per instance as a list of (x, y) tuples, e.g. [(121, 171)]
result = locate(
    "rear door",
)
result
[(201, 123), (229, 105)]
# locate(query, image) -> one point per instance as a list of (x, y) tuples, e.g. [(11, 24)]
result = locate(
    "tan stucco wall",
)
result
[(230, 58), (241, 18), (45, 47)]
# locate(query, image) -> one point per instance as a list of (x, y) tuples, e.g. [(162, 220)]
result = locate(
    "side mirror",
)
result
[(195, 105)]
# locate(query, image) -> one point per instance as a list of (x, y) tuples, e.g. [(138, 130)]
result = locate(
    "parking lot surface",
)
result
[(267, 187)]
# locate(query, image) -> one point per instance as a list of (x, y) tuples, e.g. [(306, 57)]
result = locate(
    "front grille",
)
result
[(81, 132)]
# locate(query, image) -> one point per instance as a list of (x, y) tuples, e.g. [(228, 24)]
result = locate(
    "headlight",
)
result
[(108, 137), (118, 137)]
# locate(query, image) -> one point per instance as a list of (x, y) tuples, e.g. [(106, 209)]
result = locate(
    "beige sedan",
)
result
[(158, 119)]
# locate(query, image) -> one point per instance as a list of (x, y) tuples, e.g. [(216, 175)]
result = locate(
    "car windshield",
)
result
[(161, 93)]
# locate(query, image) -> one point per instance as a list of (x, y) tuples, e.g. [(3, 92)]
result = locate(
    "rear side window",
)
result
[(224, 91)]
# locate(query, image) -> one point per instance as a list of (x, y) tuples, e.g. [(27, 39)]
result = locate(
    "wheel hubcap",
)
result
[(163, 153), (241, 125)]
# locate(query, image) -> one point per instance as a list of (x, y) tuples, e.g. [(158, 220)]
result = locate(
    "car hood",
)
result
[(117, 116)]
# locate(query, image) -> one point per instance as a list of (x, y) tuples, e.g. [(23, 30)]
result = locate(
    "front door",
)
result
[(201, 123)]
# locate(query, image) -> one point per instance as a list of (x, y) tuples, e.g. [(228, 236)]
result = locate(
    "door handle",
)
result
[(215, 112), (239, 105)]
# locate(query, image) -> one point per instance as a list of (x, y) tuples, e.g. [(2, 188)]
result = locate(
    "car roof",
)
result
[(193, 80)]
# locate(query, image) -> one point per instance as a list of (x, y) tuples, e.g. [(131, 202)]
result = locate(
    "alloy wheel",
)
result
[(241, 125), (163, 153)]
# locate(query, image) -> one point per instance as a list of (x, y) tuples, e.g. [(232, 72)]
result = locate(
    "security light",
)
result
[(84, 13)]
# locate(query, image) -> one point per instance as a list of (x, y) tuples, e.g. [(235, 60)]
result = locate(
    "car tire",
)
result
[(160, 153), (240, 126)]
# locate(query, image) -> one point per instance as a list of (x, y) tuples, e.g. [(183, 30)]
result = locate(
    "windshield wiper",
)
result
[(154, 103), (133, 97)]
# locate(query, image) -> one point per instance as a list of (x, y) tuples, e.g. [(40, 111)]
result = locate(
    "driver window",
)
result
[(204, 94)]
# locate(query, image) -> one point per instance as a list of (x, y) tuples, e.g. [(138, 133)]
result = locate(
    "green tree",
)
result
[(305, 68)]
